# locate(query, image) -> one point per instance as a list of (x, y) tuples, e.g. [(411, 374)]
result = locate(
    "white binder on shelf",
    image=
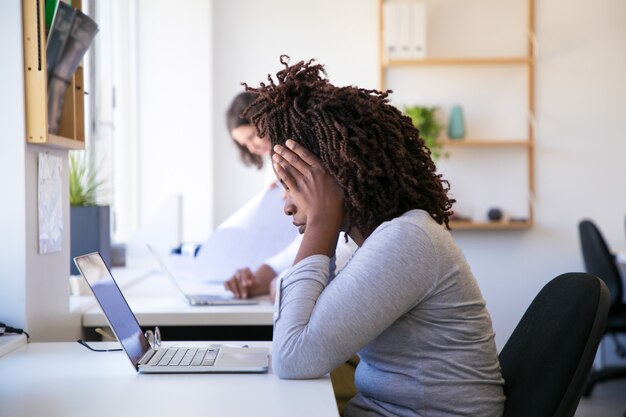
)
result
[(391, 41), (404, 34), (417, 30)]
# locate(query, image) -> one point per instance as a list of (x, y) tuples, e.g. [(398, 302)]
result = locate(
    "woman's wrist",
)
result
[(330, 224), (320, 238)]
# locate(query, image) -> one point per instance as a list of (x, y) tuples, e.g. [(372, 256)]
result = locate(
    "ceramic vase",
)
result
[(456, 127)]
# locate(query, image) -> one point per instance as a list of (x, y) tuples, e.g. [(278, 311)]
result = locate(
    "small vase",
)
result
[(456, 127)]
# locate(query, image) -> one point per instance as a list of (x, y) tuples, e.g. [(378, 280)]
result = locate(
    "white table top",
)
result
[(68, 380), (9, 342), (157, 302)]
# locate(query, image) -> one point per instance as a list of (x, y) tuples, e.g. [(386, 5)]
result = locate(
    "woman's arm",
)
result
[(317, 327)]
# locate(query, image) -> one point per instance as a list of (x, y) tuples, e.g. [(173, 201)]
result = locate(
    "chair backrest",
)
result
[(599, 260), (548, 358)]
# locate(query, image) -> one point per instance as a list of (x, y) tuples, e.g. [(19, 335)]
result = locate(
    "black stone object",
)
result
[(494, 214)]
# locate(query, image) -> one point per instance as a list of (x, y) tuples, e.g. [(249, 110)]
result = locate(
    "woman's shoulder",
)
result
[(410, 230), (413, 219), (413, 229)]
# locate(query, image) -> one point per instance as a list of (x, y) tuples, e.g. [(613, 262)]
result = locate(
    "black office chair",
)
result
[(546, 361), (600, 262)]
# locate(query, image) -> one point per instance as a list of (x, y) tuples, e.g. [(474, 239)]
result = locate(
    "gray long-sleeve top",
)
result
[(408, 303)]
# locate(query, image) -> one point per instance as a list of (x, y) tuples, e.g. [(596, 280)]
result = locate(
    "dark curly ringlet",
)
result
[(371, 149)]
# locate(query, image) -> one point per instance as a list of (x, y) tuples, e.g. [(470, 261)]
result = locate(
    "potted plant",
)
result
[(89, 221), (424, 119)]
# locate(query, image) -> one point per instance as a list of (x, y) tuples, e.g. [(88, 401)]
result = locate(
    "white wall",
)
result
[(174, 112), (580, 156), (580, 104), (248, 38)]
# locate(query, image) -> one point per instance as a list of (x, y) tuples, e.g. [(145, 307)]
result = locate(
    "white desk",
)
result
[(9, 342), (172, 311), (68, 380), (157, 302)]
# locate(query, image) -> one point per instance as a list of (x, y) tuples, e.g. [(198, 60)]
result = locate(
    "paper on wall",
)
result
[(49, 202)]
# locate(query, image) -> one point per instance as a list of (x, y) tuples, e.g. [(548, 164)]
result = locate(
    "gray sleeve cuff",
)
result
[(315, 269)]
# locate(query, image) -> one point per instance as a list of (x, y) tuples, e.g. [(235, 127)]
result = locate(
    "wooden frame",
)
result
[(529, 143), (72, 132)]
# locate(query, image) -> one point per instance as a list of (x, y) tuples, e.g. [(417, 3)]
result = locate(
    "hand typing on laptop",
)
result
[(197, 298), (245, 283)]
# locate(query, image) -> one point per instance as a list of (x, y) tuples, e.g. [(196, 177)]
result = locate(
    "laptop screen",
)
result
[(114, 305)]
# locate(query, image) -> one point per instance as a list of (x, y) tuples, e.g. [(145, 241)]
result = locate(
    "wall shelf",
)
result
[(470, 143), (458, 61), (526, 144), (499, 225), (72, 131)]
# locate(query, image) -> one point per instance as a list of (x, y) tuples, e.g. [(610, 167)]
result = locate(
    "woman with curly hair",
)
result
[(407, 301), (244, 282)]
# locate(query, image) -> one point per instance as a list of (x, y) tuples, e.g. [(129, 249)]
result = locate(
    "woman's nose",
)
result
[(290, 208)]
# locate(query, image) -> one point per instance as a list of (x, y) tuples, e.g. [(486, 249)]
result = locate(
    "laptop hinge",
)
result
[(146, 357)]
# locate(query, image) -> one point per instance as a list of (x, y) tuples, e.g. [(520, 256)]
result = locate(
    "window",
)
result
[(152, 119)]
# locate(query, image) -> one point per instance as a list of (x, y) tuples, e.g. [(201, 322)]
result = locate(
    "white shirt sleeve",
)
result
[(283, 260)]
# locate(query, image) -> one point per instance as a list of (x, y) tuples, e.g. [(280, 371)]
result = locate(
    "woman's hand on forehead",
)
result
[(312, 188)]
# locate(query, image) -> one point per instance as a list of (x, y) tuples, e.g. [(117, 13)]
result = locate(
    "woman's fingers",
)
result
[(302, 153), (232, 285), (240, 282), (244, 279), (288, 159), (243, 290), (283, 168), (296, 156), (247, 277)]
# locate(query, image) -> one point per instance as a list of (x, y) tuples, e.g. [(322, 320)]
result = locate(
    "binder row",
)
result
[(71, 33), (404, 30)]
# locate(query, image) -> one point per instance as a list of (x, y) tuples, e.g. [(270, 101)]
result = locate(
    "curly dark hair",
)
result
[(371, 149), (234, 120)]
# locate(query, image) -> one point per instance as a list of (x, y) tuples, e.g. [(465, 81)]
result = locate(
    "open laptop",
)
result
[(175, 359), (198, 299)]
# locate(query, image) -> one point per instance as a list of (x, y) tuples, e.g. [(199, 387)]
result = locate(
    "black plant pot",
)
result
[(90, 232)]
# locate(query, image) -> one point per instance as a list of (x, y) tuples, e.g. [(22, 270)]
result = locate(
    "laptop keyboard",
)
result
[(184, 357)]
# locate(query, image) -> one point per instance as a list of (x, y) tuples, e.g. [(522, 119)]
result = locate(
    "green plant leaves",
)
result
[(424, 119), (84, 184)]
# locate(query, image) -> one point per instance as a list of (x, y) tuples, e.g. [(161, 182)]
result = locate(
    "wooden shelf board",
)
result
[(483, 142), (522, 60), (506, 225), (64, 143)]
